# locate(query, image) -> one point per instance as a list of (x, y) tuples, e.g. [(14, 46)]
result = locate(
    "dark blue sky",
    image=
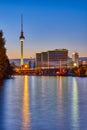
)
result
[(48, 24)]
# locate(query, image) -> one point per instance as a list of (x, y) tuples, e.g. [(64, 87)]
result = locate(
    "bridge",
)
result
[(39, 71)]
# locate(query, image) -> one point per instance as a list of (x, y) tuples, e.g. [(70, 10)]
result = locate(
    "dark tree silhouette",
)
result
[(5, 68)]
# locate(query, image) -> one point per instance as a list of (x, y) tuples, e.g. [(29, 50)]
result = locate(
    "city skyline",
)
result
[(48, 25)]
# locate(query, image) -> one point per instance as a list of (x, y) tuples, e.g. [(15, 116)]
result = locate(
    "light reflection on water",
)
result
[(60, 101), (75, 107), (26, 106), (43, 103)]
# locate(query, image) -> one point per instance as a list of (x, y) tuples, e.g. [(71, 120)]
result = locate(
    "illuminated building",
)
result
[(22, 41), (52, 58), (75, 59)]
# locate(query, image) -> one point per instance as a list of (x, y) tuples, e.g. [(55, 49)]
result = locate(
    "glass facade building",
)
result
[(52, 58)]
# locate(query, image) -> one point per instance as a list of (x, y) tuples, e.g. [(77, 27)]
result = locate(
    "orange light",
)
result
[(26, 66), (57, 72)]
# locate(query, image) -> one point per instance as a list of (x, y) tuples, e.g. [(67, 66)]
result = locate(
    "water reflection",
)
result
[(43, 103), (75, 109), (60, 101), (60, 87), (1, 85), (43, 86), (26, 106)]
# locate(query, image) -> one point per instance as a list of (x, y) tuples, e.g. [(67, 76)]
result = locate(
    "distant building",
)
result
[(83, 62), (75, 59), (38, 60), (52, 58)]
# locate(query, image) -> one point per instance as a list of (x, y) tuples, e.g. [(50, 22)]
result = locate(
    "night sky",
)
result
[(48, 24)]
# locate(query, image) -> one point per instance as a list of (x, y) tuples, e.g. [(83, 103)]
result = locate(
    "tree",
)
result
[(5, 68)]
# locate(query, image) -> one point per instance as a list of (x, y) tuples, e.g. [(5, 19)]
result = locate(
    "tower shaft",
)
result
[(22, 61)]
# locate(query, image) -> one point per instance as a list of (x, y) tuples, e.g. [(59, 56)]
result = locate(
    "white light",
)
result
[(75, 64)]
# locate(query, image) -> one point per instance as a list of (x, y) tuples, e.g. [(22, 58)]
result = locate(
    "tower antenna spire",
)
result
[(21, 22), (22, 33)]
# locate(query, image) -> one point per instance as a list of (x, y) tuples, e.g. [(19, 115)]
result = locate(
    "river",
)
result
[(43, 103)]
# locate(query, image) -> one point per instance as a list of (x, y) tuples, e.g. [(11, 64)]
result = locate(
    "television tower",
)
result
[(21, 41)]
